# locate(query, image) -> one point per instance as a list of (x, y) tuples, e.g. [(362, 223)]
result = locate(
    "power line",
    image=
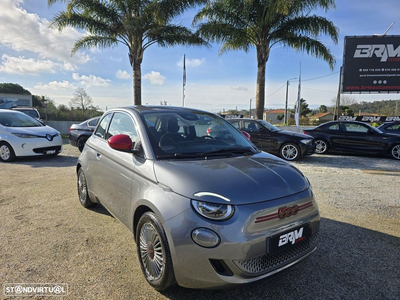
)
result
[(321, 76), (276, 91)]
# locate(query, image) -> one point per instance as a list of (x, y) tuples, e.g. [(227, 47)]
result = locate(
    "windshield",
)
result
[(269, 126), (194, 134), (15, 119)]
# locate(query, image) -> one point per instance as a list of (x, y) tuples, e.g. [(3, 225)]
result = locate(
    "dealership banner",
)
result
[(370, 119), (371, 64)]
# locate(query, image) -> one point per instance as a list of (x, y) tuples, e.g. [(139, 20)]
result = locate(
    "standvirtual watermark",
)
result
[(35, 289)]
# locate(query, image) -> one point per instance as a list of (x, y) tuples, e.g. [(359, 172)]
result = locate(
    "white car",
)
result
[(22, 135)]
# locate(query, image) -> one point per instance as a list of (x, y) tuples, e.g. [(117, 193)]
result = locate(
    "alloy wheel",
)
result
[(151, 252)]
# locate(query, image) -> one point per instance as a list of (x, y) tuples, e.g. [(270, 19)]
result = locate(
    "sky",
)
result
[(39, 59)]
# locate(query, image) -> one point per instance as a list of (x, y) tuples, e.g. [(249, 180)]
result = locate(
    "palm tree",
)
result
[(137, 24), (243, 24)]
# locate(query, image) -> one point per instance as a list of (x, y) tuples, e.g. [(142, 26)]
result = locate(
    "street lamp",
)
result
[(250, 108), (287, 95)]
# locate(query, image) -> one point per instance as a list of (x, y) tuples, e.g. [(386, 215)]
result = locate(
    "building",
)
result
[(271, 115), (321, 117)]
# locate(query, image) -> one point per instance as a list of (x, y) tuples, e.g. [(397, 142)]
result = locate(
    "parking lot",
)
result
[(46, 236)]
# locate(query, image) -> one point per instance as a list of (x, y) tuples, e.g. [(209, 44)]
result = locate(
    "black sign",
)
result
[(369, 119), (371, 64)]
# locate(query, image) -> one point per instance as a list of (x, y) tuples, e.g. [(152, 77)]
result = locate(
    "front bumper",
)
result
[(307, 149), (36, 146), (242, 256)]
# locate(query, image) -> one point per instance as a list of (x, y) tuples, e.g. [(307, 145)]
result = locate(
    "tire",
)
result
[(395, 152), (81, 143), (321, 146), (83, 192), (6, 152), (153, 252), (290, 152)]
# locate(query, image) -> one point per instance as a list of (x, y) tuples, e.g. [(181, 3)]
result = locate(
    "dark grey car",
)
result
[(205, 212)]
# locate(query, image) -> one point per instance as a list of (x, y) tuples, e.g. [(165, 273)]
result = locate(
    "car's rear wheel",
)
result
[(290, 151), (81, 143), (321, 146), (153, 252), (83, 192), (6, 152), (395, 152)]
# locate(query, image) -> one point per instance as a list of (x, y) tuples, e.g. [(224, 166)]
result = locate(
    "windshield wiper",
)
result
[(177, 155), (225, 151)]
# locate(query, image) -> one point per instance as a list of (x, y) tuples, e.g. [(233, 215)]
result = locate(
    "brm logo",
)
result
[(291, 237), (285, 212), (381, 51)]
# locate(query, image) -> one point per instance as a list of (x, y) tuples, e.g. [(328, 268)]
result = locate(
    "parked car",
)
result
[(30, 111), (390, 127), (354, 137), (79, 133), (288, 145), (205, 212), (22, 135)]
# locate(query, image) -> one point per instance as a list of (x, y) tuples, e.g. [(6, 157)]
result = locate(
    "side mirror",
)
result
[(120, 142), (261, 129)]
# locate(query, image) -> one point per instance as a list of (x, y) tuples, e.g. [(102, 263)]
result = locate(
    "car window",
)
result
[(332, 127), (351, 127), (122, 123), (251, 126), (236, 124), (101, 129), (93, 123), (395, 127)]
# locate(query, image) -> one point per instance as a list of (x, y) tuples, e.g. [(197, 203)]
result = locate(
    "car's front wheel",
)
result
[(321, 146), (83, 192), (290, 152), (6, 152), (153, 252), (395, 152)]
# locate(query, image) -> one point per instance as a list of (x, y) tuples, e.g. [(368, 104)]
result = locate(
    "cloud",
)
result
[(122, 74), (239, 88), (55, 86), (26, 66), (23, 31), (194, 63), (91, 80), (155, 78)]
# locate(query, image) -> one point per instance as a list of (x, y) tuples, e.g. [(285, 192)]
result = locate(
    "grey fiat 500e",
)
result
[(205, 212)]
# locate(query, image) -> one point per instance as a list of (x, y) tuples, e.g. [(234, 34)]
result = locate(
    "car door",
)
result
[(261, 136), (361, 138), (113, 170)]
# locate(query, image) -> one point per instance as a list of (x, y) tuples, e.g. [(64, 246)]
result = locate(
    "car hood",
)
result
[(299, 135), (40, 130), (239, 180)]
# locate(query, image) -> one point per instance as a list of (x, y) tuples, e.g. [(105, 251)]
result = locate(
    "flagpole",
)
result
[(184, 81)]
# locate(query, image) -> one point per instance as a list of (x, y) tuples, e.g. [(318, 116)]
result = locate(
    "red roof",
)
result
[(275, 111), (320, 115)]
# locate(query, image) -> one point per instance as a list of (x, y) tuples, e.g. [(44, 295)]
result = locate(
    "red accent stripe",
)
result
[(275, 215)]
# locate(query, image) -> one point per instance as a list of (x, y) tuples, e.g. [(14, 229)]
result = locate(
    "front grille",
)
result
[(270, 262), (45, 149)]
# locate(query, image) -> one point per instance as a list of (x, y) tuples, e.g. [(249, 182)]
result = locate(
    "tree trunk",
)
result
[(136, 64), (137, 82), (262, 57)]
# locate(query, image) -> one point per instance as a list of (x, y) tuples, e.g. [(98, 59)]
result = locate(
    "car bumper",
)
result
[(36, 146), (244, 254), (307, 149)]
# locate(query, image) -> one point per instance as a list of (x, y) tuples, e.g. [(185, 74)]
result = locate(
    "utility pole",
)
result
[(250, 109), (286, 102)]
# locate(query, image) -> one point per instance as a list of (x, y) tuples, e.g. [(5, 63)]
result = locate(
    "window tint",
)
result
[(332, 127), (251, 126), (101, 130), (394, 127), (350, 127), (236, 124)]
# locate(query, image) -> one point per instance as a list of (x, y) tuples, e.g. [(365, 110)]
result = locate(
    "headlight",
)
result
[(306, 142), (25, 135), (213, 211)]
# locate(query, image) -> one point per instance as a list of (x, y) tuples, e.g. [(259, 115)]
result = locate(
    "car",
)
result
[(286, 144), (22, 135), (79, 133), (204, 212), (390, 127), (30, 111), (354, 137)]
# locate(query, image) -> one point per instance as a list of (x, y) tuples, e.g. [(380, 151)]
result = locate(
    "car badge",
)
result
[(49, 137)]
